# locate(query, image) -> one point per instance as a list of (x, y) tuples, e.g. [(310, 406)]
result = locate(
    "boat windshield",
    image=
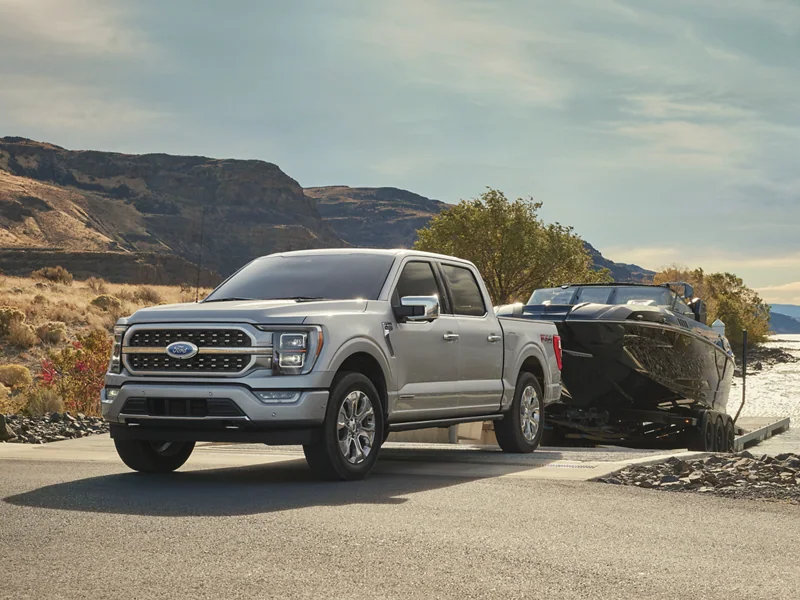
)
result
[(649, 296)]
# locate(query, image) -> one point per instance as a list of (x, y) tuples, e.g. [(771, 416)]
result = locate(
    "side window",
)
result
[(416, 280), (467, 298)]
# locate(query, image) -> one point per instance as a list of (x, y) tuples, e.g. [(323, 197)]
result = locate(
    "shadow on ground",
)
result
[(231, 491)]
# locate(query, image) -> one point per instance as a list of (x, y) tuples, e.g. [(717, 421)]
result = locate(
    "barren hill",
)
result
[(153, 203), (145, 211)]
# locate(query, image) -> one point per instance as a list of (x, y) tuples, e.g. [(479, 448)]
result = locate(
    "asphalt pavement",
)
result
[(239, 522)]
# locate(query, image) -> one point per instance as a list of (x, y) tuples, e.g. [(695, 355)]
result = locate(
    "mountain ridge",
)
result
[(87, 201)]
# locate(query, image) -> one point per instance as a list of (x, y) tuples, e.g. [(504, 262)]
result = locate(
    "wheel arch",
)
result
[(362, 357)]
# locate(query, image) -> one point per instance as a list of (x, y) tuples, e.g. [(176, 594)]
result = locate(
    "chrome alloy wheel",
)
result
[(355, 427), (530, 413)]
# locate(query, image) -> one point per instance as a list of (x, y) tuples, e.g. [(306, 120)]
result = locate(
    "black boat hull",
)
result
[(611, 364)]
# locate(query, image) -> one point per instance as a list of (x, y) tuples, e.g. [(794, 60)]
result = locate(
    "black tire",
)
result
[(730, 434), (720, 439), (153, 457), (327, 457), (701, 437), (510, 431)]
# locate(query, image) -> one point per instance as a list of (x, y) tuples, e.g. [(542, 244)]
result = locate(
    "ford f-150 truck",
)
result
[(331, 349)]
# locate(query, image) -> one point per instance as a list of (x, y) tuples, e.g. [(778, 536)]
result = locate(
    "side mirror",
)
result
[(417, 308), (699, 310)]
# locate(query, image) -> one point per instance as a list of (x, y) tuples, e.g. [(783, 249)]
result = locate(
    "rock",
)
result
[(5, 431), (668, 479), (55, 417)]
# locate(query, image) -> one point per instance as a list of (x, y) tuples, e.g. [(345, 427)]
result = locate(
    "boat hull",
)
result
[(610, 364)]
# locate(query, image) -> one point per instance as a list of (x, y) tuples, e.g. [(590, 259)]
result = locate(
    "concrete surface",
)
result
[(250, 522)]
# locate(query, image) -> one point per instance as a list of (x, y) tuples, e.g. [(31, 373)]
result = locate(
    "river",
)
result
[(775, 391)]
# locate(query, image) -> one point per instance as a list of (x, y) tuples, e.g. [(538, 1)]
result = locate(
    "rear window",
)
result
[(467, 297)]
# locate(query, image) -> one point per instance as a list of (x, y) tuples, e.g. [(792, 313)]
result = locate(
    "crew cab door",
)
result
[(480, 364), (426, 362)]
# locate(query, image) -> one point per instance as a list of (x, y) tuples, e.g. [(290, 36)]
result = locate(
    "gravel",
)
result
[(53, 427), (739, 475)]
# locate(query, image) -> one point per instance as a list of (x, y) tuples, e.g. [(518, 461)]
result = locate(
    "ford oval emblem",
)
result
[(181, 350)]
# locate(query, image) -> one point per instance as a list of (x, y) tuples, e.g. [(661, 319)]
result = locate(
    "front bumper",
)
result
[(307, 410)]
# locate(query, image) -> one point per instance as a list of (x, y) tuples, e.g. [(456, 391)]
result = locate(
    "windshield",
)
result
[(651, 296), (308, 277), (552, 296)]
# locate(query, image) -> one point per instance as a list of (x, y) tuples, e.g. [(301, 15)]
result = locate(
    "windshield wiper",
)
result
[(298, 298), (226, 299)]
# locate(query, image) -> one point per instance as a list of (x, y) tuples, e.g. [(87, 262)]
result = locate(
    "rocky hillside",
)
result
[(382, 217), (85, 200), (69, 207), (780, 323)]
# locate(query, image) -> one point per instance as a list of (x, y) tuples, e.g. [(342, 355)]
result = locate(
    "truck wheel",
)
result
[(153, 457), (352, 433), (521, 428)]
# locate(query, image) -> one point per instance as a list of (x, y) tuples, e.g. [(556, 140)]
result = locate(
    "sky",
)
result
[(663, 132)]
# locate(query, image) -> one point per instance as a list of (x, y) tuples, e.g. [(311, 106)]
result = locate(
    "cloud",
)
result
[(83, 27), (754, 269), (787, 293), (466, 51), (44, 104)]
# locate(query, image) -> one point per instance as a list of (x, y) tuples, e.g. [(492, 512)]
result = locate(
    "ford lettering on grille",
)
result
[(181, 350)]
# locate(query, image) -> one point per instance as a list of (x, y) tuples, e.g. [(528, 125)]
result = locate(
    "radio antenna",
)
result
[(200, 255)]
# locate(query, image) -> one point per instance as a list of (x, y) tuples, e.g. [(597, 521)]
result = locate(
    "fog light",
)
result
[(291, 360), (111, 395), (276, 396)]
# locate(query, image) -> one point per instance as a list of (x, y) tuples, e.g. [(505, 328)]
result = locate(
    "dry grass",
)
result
[(43, 306), (15, 376)]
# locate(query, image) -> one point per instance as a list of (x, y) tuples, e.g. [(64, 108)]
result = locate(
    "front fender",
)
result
[(366, 346)]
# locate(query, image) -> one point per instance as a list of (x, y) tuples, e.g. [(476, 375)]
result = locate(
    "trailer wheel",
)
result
[(701, 436), (522, 425), (720, 436), (730, 434), (708, 431)]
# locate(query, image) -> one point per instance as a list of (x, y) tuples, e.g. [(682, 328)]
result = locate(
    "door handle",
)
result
[(450, 336), (494, 337)]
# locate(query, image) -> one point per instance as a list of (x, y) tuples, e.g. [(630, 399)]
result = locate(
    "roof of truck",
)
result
[(383, 251)]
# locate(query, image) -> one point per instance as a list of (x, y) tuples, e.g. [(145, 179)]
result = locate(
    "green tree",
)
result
[(727, 298), (515, 251)]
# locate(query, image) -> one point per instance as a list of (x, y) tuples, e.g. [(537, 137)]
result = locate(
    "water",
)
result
[(775, 391)]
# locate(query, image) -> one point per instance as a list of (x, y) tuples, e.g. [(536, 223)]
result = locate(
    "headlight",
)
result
[(115, 364), (294, 352)]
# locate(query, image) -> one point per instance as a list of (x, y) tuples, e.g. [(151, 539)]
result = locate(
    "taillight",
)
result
[(557, 349)]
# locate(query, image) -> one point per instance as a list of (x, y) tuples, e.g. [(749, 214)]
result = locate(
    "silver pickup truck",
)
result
[(331, 349)]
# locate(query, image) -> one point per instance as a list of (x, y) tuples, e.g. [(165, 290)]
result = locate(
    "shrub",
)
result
[(66, 313), (107, 302), (76, 373), (8, 316), (22, 335), (9, 403), (40, 299), (42, 400), (53, 332), (97, 285), (15, 376), (56, 274), (147, 295), (126, 294)]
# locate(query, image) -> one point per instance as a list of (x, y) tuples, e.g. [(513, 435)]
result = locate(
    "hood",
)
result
[(278, 312)]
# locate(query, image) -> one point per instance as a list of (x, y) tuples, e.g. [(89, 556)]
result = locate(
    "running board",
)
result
[(442, 422)]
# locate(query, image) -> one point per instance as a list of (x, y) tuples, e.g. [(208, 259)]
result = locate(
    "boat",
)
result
[(639, 363)]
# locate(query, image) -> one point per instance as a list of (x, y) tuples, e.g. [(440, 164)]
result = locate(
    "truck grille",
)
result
[(182, 407), (213, 338), (222, 351), (202, 363)]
